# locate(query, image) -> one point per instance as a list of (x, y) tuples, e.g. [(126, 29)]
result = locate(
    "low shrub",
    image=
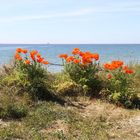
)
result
[(31, 74), (13, 107), (13, 111), (83, 69), (119, 84), (136, 78)]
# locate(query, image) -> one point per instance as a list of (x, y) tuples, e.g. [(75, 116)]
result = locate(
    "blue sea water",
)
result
[(126, 52)]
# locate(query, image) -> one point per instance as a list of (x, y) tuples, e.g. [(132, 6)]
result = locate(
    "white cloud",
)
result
[(47, 16), (108, 7)]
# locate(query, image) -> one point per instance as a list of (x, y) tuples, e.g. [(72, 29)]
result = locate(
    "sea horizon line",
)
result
[(69, 43)]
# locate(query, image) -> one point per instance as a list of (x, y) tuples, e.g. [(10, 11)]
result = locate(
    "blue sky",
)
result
[(70, 21)]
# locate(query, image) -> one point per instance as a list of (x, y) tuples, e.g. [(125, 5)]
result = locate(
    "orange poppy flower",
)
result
[(81, 53), (88, 53), (95, 56), (120, 63), (18, 50), (76, 61), (38, 55), (33, 52), (128, 71), (69, 59), (106, 66), (40, 59), (111, 67), (25, 51), (45, 62), (32, 56), (76, 51), (125, 68), (63, 56), (27, 62), (117, 64), (86, 59), (18, 57)]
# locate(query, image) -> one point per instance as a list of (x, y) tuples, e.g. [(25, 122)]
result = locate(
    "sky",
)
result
[(70, 21)]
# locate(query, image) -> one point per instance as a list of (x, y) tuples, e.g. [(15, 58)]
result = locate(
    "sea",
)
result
[(129, 53)]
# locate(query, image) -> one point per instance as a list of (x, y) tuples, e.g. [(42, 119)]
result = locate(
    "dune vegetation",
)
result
[(86, 101)]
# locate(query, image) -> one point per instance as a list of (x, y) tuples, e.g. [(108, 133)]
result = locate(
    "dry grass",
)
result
[(91, 120)]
